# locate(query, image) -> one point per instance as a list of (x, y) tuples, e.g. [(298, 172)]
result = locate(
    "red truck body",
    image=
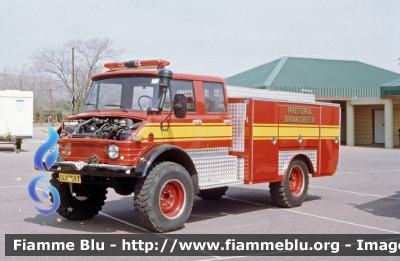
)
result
[(227, 136)]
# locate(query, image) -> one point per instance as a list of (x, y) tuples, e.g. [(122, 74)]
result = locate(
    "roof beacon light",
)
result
[(145, 64)]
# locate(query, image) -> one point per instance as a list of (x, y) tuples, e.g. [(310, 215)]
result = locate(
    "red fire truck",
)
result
[(167, 137)]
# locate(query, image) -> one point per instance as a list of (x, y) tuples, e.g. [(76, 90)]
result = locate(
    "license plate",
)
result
[(71, 178)]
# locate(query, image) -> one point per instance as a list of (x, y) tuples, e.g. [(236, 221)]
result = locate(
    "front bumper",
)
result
[(102, 170)]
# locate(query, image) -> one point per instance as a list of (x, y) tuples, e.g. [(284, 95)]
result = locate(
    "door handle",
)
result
[(197, 122), (228, 122)]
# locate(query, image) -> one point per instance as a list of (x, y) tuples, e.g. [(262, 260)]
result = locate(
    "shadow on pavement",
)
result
[(236, 202), (385, 207)]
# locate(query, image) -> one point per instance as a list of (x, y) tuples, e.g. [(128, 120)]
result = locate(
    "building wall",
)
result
[(363, 123), (396, 124)]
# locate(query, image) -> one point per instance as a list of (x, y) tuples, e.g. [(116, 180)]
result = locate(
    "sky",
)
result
[(209, 37)]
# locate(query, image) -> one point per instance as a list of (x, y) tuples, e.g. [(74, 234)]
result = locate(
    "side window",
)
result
[(181, 87), (214, 97), (20, 105)]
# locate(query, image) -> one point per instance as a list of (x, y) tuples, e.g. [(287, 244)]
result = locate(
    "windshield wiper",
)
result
[(117, 105), (94, 105)]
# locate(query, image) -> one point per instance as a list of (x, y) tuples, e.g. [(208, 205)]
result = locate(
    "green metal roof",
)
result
[(254, 77), (391, 89), (392, 84), (326, 78)]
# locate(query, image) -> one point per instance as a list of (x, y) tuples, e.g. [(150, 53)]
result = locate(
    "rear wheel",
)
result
[(292, 191), (17, 146), (212, 194), (163, 199), (84, 203)]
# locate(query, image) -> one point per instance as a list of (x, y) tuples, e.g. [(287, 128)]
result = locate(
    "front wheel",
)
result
[(292, 191), (163, 199), (82, 204)]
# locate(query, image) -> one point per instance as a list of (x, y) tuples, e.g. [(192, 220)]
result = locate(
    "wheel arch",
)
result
[(171, 153), (304, 158)]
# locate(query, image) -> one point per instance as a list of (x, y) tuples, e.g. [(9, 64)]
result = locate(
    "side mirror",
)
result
[(180, 106)]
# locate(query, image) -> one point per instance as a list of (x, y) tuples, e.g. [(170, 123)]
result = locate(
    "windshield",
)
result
[(128, 93)]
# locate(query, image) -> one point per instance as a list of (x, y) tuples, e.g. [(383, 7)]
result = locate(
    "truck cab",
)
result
[(133, 121)]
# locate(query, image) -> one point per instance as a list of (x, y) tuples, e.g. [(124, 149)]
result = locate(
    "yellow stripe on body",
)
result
[(296, 138), (219, 131), (264, 132), (262, 138), (330, 132), (264, 125), (292, 132), (189, 124), (187, 133), (191, 139)]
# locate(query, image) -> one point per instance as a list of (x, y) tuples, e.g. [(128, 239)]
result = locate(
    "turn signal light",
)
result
[(137, 138)]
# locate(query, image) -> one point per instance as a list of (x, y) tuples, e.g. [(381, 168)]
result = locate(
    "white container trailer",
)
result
[(16, 117)]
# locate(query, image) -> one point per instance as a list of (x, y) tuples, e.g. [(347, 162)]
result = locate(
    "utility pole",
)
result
[(73, 82), (51, 105)]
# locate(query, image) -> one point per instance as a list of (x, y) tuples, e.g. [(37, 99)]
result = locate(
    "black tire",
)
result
[(170, 183), (213, 193), (17, 146), (292, 191), (81, 209)]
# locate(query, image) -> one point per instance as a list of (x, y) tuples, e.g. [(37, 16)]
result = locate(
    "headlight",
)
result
[(113, 151)]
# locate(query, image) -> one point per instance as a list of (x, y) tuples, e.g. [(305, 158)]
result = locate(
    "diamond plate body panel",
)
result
[(238, 113), (216, 168), (286, 156), (208, 152), (263, 94), (240, 169)]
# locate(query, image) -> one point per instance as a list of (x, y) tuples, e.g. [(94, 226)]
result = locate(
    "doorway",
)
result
[(379, 126)]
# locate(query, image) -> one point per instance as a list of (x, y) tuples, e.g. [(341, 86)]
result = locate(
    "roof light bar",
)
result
[(137, 64)]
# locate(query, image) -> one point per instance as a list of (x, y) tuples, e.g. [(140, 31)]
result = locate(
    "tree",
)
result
[(57, 62), (24, 79)]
